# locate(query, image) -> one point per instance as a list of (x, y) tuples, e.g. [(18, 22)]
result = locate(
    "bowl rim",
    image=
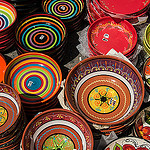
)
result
[(57, 110), (101, 57)]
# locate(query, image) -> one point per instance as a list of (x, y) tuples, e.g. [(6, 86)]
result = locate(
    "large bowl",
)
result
[(57, 129), (105, 90), (35, 76)]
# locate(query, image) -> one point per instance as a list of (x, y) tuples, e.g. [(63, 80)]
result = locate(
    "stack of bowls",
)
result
[(57, 129), (108, 33), (128, 143), (105, 90), (133, 11), (71, 12), (42, 33), (8, 20), (37, 78), (146, 40), (12, 118), (25, 7)]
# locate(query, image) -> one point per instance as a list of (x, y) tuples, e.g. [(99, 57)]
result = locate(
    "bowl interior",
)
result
[(65, 10), (8, 15), (57, 126), (10, 107), (103, 32), (89, 82), (40, 32), (36, 77)]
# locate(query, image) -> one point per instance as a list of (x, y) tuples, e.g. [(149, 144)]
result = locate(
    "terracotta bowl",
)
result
[(128, 143), (104, 89), (35, 76), (41, 33), (10, 108), (57, 129)]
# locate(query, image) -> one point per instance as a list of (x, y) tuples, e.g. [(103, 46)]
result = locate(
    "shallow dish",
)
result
[(35, 76), (107, 33), (57, 128), (89, 82)]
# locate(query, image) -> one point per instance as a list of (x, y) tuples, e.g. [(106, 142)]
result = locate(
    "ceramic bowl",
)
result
[(41, 33), (104, 89), (57, 129), (70, 12), (142, 124), (8, 17), (2, 67), (103, 32), (128, 143), (10, 108), (35, 76)]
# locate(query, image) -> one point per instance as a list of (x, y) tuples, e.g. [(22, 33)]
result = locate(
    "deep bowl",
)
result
[(57, 129), (104, 89), (41, 33), (35, 76)]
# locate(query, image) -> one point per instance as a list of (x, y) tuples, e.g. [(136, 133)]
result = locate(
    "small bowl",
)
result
[(105, 90), (129, 143), (35, 76), (56, 128)]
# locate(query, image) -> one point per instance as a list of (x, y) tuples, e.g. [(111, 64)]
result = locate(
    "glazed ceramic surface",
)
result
[(104, 86), (36, 77), (10, 107), (57, 129), (65, 10), (40, 33), (8, 15), (107, 33), (127, 143)]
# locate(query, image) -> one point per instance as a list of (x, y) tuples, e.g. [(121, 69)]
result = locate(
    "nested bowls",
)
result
[(108, 33), (105, 90), (12, 119), (37, 78), (57, 129), (8, 19), (135, 12), (130, 142), (41, 33), (71, 12)]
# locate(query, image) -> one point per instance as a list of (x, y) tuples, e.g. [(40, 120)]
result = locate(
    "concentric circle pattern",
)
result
[(64, 9), (57, 129), (7, 15), (40, 32), (35, 76)]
